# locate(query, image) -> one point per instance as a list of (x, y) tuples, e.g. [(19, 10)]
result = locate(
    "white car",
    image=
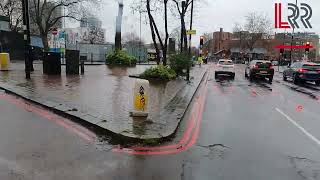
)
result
[(225, 67)]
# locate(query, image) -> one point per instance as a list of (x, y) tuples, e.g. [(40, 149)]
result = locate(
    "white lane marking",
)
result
[(299, 127)]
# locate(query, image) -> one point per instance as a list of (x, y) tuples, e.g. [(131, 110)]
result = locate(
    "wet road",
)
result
[(233, 130)]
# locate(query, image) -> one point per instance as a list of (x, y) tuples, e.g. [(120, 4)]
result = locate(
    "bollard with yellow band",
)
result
[(140, 98), (4, 61)]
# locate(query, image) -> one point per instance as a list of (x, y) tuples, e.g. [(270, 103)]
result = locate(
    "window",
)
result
[(226, 62)]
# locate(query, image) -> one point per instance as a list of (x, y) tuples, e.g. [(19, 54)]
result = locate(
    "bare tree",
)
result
[(182, 7), (256, 27), (95, 36), (47, 14), (13, 10), (156, 34)]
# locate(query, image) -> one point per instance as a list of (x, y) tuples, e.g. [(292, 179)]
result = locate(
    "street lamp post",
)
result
[(26, 36), (190, 38), (140, 11)]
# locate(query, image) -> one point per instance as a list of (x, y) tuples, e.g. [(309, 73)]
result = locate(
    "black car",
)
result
[(259, 68), (302, 72)]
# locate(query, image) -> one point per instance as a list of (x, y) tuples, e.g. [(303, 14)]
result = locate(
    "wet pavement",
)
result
[(233, 130), (104, 97)]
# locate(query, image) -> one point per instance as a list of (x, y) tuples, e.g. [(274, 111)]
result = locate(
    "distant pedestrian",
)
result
[(200, 61)]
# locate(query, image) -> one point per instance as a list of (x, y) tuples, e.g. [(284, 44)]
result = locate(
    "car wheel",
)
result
[(233, 76), (296, 79), (318, 83), (251, 77), (270, 79), (285, 77), (216, 75)]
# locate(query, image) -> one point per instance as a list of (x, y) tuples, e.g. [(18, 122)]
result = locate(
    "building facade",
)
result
[(57, 12), (90, 22), (90, 31), (237, 46), (299, 39)]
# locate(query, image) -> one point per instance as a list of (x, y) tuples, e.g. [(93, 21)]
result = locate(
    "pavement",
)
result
[(103, 98), (232, 130)]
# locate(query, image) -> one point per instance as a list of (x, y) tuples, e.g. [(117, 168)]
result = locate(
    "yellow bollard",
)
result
[(4, 61), (140, 98)]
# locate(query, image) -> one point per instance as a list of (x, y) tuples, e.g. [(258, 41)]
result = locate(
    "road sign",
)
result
[(191, 32), (54, 31)]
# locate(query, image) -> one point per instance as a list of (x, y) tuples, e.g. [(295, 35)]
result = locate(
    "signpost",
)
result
[(191, 32)]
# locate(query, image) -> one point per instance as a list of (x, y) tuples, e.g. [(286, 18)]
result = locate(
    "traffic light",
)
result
[(201, 41), (308, 47)]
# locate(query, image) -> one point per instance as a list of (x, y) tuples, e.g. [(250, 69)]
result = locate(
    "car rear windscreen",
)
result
[(264, 64), (226, 62), (311, 67)]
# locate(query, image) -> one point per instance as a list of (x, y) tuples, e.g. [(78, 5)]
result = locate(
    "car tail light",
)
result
[(255, 67), (302, 70), (271, 67)]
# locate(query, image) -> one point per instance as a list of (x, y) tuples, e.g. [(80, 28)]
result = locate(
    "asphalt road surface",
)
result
[(234, 130)]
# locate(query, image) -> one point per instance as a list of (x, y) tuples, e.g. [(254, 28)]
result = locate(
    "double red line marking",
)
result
[(189, 138), (73, 127)]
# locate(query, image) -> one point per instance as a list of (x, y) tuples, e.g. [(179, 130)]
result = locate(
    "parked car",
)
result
[(259, 68), (302, 72), (225, 67)]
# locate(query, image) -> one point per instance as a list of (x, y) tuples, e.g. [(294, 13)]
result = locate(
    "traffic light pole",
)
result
[(292, 37), (26, 36)]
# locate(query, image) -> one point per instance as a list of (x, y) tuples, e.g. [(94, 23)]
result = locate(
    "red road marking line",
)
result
[(254, 92), (173, 151), (178, 148), (182, 142), (82, 132)]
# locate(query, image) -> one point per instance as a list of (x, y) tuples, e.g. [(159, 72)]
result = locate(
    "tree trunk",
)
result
[(45, 42), (153, 33), (184, 36), (181, 34), (165, 46)]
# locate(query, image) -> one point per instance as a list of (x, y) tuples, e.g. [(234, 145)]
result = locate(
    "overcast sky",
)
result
[(209, 16)]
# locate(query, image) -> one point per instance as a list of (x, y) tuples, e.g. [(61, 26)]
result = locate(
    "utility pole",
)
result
[(190, 39), (26, 37), (140, 11), (191, 21), (240, 44)]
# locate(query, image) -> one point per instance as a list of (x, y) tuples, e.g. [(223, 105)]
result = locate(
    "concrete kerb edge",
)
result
[(185, 110), (116, 138)]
